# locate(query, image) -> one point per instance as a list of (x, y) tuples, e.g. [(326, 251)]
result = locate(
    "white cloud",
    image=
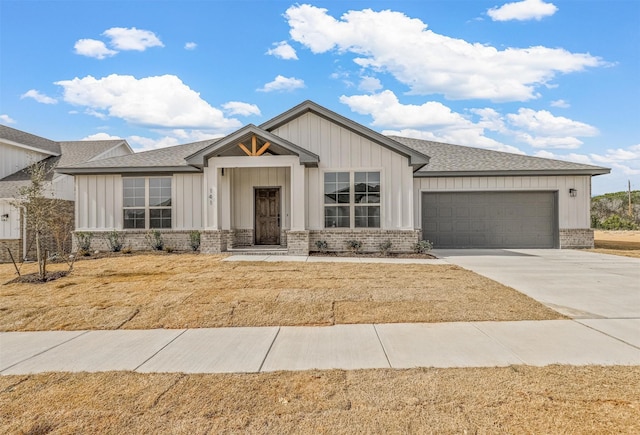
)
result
[(284, 84), (369, 84), (541, 129), (625, 161), (6, 119), (140, 143), (522, 11), (132, 39), (561, 104), (431, 121), (240, 108), (435, 121), (96, 113), (283, 50), (387, 111), (39, 97), (161, 101), (428, 62), (190, 46), (93, 48), (169, 138), (101, 136)]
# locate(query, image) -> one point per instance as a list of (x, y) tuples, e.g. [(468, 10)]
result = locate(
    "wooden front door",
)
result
[(267, 224)]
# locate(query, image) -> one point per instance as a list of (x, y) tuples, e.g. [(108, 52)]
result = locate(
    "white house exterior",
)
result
[(312, 175), (18, 151)]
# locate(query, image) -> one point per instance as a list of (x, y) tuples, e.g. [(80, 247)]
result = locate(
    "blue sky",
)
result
[(556, 79)]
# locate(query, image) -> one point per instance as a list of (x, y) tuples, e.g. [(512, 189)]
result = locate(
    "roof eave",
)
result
[(30, 148), (516, 172), (128, 170)]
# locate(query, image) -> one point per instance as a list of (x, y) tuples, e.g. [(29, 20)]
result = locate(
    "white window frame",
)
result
[(147, 208), (352, 204)]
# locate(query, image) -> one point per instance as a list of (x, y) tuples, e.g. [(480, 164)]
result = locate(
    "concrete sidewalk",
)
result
[(224, 350)]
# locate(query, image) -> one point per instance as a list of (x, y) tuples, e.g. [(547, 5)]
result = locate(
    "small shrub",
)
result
[(385, 247), (194, 240), (115, 240), (422, 247), (615, 222), (322, 246), (154, 239), (354, 245), (84, 242)]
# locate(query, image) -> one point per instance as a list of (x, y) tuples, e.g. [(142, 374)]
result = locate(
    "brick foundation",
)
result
[(576, 238), (15, 245), (402, 240), (298, 242), (241, 238), (136, 240), (214, 241)]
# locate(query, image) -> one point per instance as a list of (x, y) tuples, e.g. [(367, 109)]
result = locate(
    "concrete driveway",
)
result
[(579, 284)]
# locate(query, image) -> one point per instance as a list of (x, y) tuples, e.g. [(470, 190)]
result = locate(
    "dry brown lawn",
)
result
[(190, 290), (624, 243), (517, 399)]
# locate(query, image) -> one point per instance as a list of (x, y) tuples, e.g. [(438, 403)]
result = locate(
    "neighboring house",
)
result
[(18, 151), (311, 175)]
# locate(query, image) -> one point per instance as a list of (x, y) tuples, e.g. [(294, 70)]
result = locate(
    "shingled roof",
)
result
[(69, 153), (169, 159), (28, 140), (457, 160)]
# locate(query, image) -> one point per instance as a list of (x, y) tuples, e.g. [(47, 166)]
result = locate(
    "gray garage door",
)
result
[(490, 219)]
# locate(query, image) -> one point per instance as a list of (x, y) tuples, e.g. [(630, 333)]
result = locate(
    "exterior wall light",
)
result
[(4, 217), (573, 192)]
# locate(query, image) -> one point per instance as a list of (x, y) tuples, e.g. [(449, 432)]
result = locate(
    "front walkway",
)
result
[(223, 350), (330, 259)]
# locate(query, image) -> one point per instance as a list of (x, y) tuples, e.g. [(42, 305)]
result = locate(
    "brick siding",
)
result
[(576, 238), (401, 240)]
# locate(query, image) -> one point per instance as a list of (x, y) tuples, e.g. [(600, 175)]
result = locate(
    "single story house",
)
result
[(311, 175), (18, 151)]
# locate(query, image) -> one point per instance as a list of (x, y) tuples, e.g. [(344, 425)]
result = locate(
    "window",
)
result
[(146, 202), (352, 199)]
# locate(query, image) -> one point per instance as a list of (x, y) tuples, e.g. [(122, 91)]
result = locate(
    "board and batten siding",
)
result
[(9, 229), (98, 202), (15, 158), (573, 212), (187, 201), (343, 150), (243, 182)]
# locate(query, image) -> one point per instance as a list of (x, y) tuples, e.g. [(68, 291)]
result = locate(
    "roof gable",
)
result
[(415, 157), (28, 141), (74, 152), (229, 145)]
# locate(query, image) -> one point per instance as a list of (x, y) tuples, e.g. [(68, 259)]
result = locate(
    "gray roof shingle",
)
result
[(170, 158), (30, 140), (72, 152), (447, 159)]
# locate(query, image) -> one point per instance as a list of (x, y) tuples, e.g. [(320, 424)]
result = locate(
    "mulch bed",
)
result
[(34, 278)]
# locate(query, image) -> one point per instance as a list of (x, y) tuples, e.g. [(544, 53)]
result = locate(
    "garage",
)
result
[(490, 219)]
